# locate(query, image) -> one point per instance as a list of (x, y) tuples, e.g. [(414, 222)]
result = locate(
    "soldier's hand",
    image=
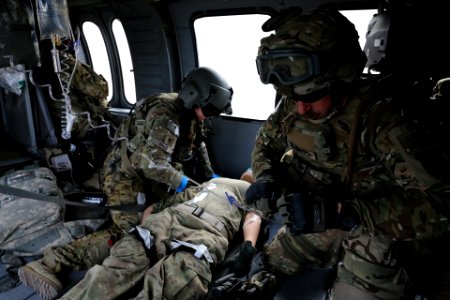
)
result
[(244, 259), (347, 216), (259, 189), (309, 213)]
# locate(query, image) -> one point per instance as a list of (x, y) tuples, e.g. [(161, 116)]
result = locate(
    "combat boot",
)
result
[(41, 279)]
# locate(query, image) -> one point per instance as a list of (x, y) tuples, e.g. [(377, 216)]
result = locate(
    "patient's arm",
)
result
[(251, 227)]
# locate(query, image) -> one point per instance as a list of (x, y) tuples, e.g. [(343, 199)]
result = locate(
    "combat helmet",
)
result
[(309, 51), (205, 88)]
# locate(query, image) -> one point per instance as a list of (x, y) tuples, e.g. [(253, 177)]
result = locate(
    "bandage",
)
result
[(252, 218)]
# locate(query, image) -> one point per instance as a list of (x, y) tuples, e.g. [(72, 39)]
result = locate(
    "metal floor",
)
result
[(18, 292)]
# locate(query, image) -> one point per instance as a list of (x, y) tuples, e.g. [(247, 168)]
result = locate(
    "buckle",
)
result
[(198, 211), (139, 123)]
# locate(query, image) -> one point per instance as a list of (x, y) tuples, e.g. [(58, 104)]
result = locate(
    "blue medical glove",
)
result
[(183, 184)]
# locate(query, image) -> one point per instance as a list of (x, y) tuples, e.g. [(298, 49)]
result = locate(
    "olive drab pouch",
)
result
[(310, 141)]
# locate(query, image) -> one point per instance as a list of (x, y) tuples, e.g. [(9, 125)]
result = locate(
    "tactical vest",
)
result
[(346, 153), (134, 127), (189, 133), (320, 156)]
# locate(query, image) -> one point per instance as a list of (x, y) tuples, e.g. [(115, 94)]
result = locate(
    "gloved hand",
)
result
[(183, 184), (259, 189), (309, 214), (243, 261), (348, 217), (261, 194)]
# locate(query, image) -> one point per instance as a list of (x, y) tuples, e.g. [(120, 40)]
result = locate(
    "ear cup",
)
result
[(190, 94)]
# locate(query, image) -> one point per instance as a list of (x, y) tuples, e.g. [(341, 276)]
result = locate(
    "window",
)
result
[(361, 19), (99, 55), (229, 45), (125, 61)]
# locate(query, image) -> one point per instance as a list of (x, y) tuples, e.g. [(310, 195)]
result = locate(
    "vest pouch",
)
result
[(310, 141)]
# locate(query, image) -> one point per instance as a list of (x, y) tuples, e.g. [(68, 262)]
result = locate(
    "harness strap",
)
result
[(348, 177), (126, 165), (204, 215)]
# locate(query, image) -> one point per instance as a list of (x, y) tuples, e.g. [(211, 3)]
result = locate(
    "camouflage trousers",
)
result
[(123, 267), (93, 248), (368, 264), (128, 264), (82, 253), (288, 253), (176, 275), (370, 267)]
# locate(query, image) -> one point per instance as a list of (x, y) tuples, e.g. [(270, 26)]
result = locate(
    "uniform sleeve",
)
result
[(192, 154), (416, 203), (203, 161), (153, 144), (271, 142)]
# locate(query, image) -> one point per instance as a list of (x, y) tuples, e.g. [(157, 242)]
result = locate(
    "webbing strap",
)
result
[(204, 215), (8, 190), (126, 164), (352, 142)]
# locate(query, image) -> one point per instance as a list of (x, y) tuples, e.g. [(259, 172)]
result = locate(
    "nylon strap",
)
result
[(8, 190), (204, 215), (356, 128)]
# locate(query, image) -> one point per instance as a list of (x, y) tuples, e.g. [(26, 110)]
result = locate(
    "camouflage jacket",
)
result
[(160, 137), (387, 174)]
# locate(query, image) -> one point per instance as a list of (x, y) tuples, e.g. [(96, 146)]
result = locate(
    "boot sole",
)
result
[(36, 281)]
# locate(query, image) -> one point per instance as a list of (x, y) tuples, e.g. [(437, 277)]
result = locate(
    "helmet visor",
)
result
[(287, 66), (209, 110)]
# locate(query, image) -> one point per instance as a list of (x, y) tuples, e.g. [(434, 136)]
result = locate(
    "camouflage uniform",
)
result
[(390, 185), (147, 159), (189, 276), (88, 92)]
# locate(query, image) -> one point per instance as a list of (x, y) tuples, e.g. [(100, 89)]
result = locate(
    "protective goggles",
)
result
[(287, 66)]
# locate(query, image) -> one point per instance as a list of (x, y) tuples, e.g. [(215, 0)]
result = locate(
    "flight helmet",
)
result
[(205, 88)]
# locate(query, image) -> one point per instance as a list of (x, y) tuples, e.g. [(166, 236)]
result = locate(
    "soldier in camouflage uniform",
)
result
[(187, 239), (144, 166), (341, 145)]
